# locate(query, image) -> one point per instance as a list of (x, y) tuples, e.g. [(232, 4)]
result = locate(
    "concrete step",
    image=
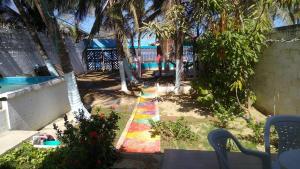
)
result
[(12, 138), (197, 159)]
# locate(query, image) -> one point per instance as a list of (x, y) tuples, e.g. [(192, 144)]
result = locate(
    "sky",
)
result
[(279, 23)]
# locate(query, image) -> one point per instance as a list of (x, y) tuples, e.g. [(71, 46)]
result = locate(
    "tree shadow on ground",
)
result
[(187, 103), (103, 88)]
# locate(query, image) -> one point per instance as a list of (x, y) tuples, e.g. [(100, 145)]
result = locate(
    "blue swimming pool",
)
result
[(152, 66), (13, 83)]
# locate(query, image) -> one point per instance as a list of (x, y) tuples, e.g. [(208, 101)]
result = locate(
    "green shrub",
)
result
[(88, 144), (168, 130), (24, 157), (258, 130), (228, 57), (258, 133), (225, 114)]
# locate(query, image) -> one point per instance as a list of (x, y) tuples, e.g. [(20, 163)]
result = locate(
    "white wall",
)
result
[(35, 106), (277, 75), (3, 122)]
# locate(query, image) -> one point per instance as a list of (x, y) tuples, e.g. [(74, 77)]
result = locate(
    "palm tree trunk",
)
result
[(34, 35), (121, 63), (126, 65), (194, 59), (73, 93), (95, 29), (179, 65), (139, 55)]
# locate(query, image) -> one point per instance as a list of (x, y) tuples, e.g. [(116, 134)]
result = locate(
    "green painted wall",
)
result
[(277, 79)]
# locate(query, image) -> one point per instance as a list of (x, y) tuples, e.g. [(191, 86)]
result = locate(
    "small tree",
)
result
[(173, 26), (229, 49)]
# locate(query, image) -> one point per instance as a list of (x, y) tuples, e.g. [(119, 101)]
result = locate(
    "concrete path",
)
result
[(12, 138), (137, 136)]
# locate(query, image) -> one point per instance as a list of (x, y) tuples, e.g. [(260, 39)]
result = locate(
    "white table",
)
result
[(290, 159)]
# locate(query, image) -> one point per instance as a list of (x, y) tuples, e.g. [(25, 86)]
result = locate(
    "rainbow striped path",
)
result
[(137, 137)]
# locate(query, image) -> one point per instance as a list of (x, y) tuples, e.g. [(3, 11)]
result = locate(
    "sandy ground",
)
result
[(103, 90), (182, 105)]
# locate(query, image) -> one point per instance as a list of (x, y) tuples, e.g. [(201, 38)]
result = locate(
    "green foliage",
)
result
[(258, 130), (86, 145), (229, 60), (225, 114), (24, 157), (168, 130), (228, 51), (90, 145), (204, 95), (174, 20), (258, 133)]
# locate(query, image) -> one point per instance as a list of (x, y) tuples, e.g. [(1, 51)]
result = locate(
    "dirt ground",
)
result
[(103, 90), (202, 121), (182, 105)]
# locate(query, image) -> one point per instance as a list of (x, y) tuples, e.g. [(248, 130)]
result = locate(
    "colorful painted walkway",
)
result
[(138, 137)]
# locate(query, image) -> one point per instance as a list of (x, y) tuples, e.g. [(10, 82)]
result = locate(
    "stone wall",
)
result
[(18, 54), (277, 79)]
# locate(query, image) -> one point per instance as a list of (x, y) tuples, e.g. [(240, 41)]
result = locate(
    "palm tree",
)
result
[(179, 23), (142, 14), (46, 11), (102, 9), (118, 22), (117, 19), (286, 10), (34, 35)]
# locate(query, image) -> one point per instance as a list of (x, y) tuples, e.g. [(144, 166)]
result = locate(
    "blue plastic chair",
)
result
[(287, 128), (219, 140)]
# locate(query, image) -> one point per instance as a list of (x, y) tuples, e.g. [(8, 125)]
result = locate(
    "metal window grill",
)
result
[(105, 60)]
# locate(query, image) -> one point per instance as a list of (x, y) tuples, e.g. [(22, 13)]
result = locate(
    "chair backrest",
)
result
[(288, 130), (218, 139)]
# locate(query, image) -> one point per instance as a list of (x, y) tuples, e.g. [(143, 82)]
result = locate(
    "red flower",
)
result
[(102, 116), (98, 162), (93, 134), (93, 142)]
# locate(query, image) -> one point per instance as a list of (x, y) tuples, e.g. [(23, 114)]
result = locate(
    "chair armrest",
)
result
[(255, 153), (265, 157)]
